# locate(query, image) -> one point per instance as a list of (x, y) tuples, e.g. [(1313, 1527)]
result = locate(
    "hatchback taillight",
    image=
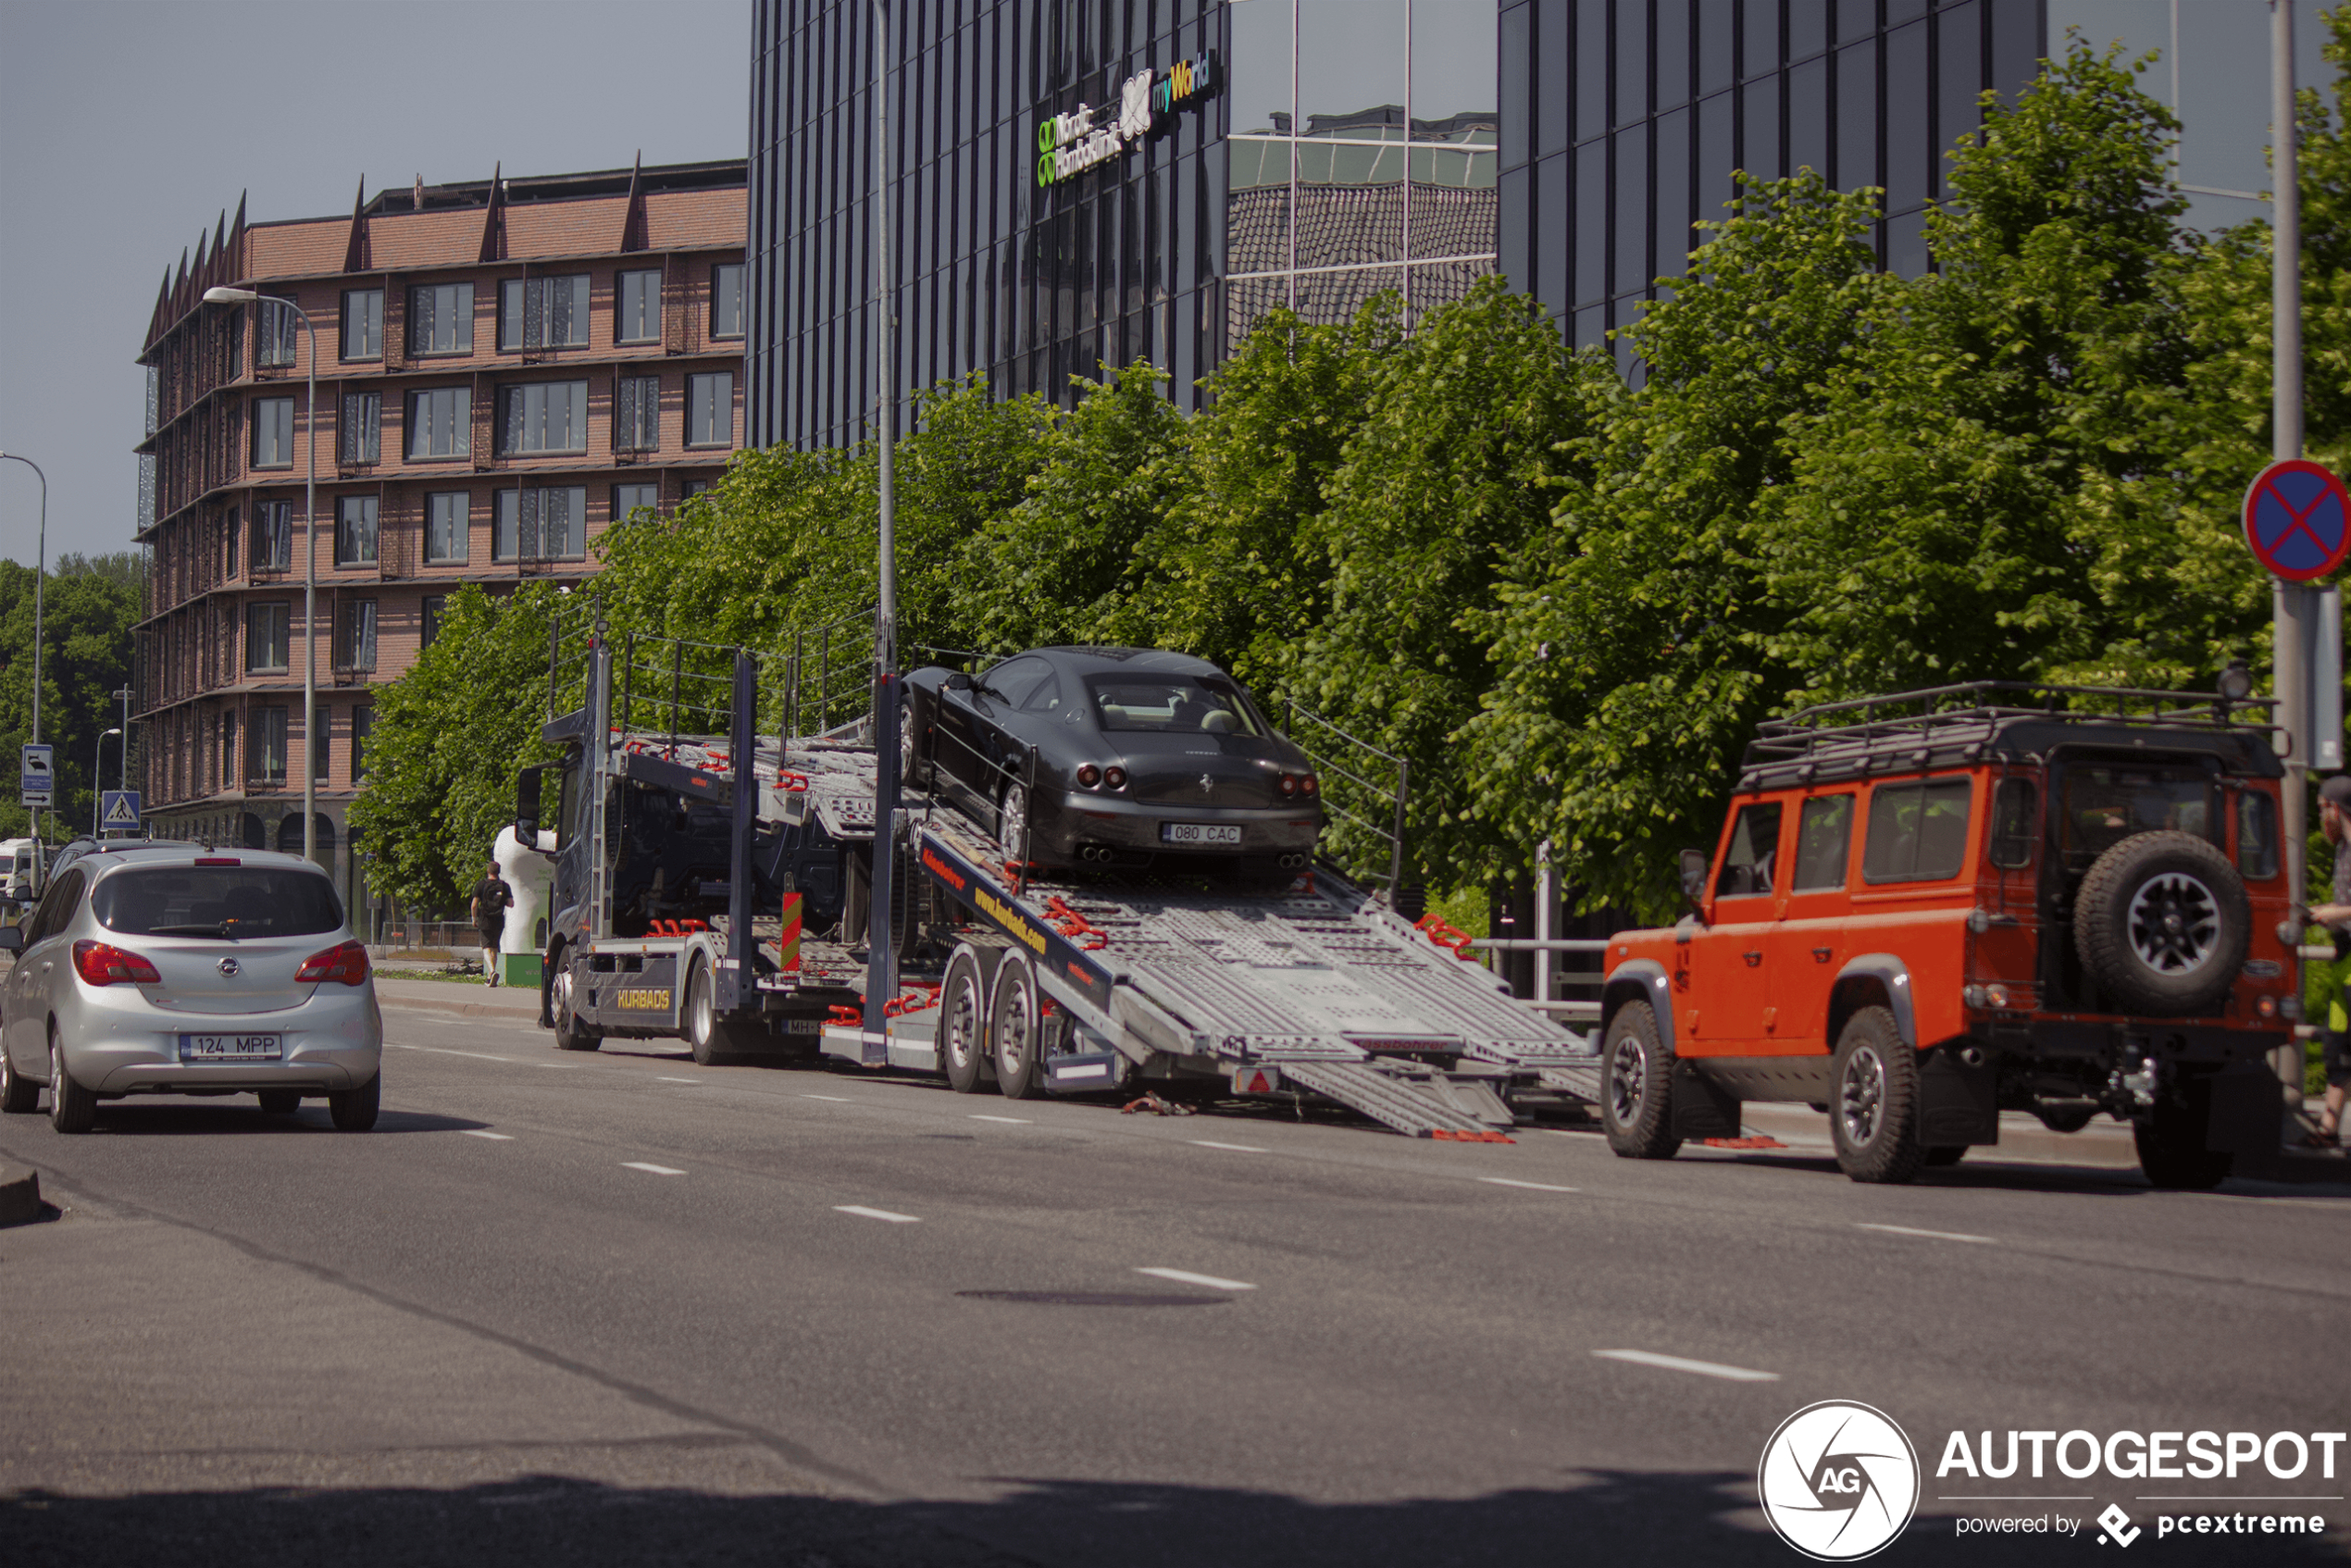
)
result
[(347, 964), (102, 964)]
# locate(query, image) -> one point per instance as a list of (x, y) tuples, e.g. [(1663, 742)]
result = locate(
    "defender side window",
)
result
[(2012, 825), (1755, 841), (1918, 832), (1824, 844), (2257, 836)]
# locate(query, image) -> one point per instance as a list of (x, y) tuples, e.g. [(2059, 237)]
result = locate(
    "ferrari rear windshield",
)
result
[(217, 901), (1181, 703)]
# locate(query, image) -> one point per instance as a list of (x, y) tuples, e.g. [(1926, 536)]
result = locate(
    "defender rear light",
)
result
[(102, 964), (2266, 1007), (1115, 775), (1090, 776), (347, 964)]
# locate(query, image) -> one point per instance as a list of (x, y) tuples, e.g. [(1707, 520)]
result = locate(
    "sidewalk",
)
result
[(458, 999)]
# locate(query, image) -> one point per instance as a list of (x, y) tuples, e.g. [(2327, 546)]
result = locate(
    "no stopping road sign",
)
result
[(2297, 519)]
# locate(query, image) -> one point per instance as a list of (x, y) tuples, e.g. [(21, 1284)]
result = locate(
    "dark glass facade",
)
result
[(1623, 121)]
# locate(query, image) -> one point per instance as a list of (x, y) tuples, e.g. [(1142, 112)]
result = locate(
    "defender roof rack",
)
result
[(1951, 725)]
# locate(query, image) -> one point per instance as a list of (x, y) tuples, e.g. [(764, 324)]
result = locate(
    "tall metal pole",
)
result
[(124, 696), (97, 793), (2296, 603), (40, 575), (881, 949)]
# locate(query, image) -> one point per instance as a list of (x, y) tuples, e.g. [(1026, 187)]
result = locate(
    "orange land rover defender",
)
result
[(1928, 908)]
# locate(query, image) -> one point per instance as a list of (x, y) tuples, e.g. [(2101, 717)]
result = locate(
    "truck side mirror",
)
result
[(1692, 876), (527, 806)]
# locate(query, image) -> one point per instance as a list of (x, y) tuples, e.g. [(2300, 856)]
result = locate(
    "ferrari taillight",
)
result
[(1116, 776), (1090, 776), (102, 964)]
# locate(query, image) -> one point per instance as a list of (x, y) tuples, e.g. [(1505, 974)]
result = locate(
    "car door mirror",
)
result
[(959, 681), (1694, 868), (11, 938)]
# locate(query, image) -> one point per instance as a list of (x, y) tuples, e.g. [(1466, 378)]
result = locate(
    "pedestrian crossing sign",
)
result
[(118, 809)]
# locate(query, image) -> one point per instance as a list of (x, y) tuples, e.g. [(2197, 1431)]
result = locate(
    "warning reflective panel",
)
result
[(2297, 519)]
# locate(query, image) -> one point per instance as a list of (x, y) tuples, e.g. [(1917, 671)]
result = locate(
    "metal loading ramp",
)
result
[(1393, 1102)]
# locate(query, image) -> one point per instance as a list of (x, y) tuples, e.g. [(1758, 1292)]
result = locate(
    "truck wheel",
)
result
[(72, 1108), (1873, 1121), (2171, 1150), (705, 1034), (1014, 1030), (1636, 1086), (2161, 925), (963, 1023), (570, 1033)]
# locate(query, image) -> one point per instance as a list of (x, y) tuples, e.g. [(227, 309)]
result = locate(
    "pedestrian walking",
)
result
[(492, 898), (2333, 1020)]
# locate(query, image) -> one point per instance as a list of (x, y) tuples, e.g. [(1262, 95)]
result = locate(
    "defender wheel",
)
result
[(1873, 1121), (2171, 1150), (72, 1108), (19, 1096), (570, 1033), (2161, 925), (1636, 1086), (1945, 1157), (1015, 1030), (963, 1023), (280, 1102), (354, 1108)]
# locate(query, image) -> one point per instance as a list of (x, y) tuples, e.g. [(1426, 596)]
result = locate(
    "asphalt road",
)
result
[(618, 1308)]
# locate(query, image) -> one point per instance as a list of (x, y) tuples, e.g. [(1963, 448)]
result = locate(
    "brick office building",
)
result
[(505, 369)]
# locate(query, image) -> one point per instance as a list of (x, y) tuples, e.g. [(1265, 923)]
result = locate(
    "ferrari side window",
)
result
[(1045, 697), (1015, 680)]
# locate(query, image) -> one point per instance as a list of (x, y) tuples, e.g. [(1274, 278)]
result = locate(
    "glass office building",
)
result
[(1079, 182)]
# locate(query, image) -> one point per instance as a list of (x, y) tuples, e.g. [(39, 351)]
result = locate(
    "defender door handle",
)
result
[(1754, 958), (1823, 954)]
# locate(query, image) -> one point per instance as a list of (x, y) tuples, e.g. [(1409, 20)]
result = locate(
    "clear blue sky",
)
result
[(126, 129)]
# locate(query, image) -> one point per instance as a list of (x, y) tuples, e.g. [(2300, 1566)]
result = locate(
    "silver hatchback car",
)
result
[(180, 969)]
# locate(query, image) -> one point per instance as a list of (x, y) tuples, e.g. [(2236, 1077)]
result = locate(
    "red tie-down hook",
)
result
[(1445, 935), (1071, 924), (792, 783), (918, 999)]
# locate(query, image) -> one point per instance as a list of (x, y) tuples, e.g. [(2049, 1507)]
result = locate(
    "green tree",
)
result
[(86, 620)]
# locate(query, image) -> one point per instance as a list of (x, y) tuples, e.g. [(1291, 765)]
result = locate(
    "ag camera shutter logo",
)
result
[(1838, 1480)]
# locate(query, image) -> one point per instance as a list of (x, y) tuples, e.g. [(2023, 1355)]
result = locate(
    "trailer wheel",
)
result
[(1636, 1086), (1014, 1030), (570, 1033), (963, 1023)]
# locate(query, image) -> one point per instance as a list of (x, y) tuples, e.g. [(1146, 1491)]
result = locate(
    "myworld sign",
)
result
[(1069, 144)]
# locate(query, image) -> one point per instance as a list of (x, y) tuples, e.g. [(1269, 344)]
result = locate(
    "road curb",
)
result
[(19, 1194)]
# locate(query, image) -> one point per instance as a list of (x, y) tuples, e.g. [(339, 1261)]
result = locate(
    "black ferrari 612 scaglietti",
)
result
[(1113, 756)]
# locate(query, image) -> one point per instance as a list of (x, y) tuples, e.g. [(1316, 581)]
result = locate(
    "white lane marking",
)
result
[(660, 1079), (1014, 1121), (1530, 1185), (863, 1212), (1930, 1235), (836, 1099), (477, 1055), (559, 1066), (478, 1132), (1236, 1147), (641, 1166), (1682, 1364), (1181, 1277)]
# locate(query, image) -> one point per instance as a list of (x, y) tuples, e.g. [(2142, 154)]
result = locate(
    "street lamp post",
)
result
[(97, 793), (309, 559), (40, 572), (123, 696)]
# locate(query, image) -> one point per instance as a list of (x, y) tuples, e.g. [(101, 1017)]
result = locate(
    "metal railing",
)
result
[(1559, 979), (1364, 788)]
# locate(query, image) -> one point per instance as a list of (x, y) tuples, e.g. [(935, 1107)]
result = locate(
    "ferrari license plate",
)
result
[(1198, 833), (231, 1048)]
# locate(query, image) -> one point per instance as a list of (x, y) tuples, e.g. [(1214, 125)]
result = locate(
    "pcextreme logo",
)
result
[(1838, 1480)]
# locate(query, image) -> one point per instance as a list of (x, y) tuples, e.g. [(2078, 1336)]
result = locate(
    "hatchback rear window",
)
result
[(217, 901)]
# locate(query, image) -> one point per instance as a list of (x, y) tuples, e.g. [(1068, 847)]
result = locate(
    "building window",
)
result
[(441, 318), (448, 519), (274, 330), (363, 324), (726, 300), (628, 499), (710, 409), (441, 423), (267, 636), (636, 308), (546, 417), (355, 639), (697, 486), (429, 626), (228, 747), (273, 432), (229, 544), (355, 531), (636, 420), (542, 312), (363, 724), (321, 746), (272, 535), (270, 726), (363, 421), (541, 525)]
